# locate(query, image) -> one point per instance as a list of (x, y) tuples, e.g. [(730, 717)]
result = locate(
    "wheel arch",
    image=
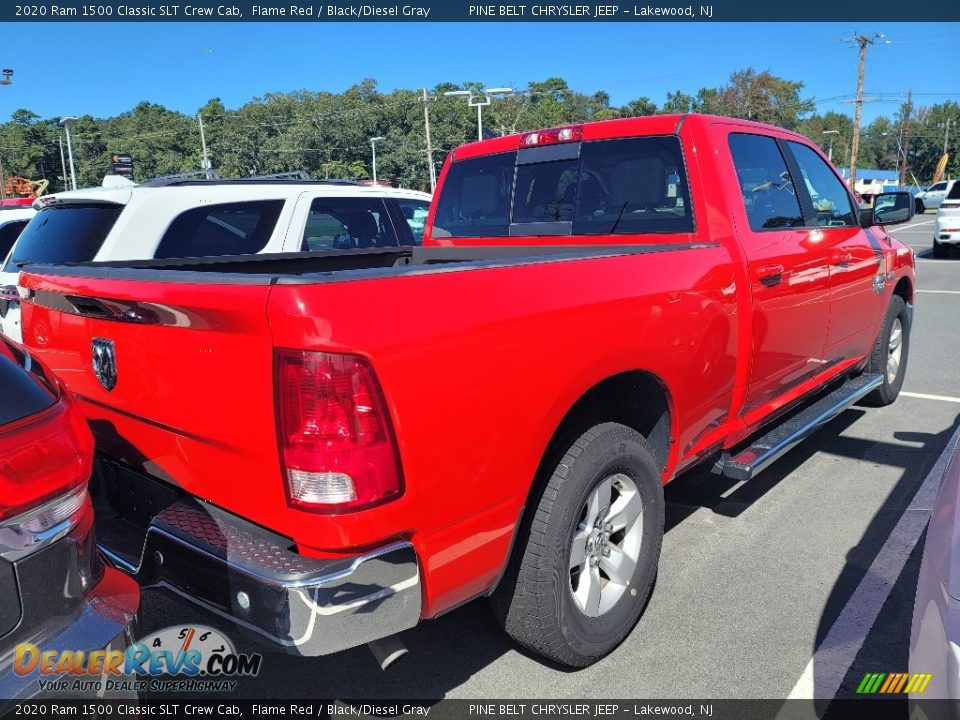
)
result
[(636, 398), (904, 288)]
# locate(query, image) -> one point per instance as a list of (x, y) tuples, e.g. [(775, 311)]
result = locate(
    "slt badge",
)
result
[(105, 362)]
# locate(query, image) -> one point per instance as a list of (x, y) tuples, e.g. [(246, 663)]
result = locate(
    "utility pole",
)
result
[(946, 137), (3, 182), (203, 144), (862, 40), (63, 162), (905, 137), (426, 124)]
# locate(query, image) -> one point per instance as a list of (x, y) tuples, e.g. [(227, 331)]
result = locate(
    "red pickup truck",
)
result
[(328, 448)]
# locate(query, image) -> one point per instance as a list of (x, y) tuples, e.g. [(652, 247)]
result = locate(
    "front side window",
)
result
[(831, 201), (769, 195), (242, 228), (347, 223)]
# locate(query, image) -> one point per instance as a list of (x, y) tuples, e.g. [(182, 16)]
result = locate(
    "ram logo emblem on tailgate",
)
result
[(105, 362)]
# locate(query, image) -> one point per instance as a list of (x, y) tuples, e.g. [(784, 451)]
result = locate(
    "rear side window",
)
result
[(24, 392), (954, 193), (415, 213), (623, 186), (64, 234), (228, 229), (9, 232), (769, 195), (347, 223)]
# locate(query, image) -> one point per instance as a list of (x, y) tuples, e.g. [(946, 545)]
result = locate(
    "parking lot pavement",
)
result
[(753, 576)]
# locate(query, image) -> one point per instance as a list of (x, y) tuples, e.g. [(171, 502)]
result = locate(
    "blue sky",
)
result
[(112, 66)]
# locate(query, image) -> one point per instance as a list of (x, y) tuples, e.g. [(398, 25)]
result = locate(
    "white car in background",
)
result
[(946, 226), (188, 218), (931, 198), (13, 219)]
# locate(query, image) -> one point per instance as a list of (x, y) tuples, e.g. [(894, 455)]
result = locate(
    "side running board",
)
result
[(781, 438)]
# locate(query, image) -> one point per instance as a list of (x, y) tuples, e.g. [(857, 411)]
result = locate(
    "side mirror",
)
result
[(891, 208)]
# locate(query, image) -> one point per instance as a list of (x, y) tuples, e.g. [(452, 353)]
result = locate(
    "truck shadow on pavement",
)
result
[(447, 652)]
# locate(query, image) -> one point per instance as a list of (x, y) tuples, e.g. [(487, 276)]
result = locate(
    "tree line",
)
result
[(328, 134)]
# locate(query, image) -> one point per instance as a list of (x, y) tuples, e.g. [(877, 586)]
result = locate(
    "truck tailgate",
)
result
[(184, 390)]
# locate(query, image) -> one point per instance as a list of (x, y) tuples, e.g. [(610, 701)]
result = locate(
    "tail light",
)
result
[(42, 457), (336, 442), (949, 205), (552, 136)]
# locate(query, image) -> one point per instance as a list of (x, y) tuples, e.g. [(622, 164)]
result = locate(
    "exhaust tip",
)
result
[(387, 650)]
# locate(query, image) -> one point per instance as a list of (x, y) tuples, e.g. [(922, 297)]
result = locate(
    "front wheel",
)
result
[(588, 559), (889, 356)]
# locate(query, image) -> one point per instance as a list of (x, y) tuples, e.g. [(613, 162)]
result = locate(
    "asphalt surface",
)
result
[(752, 577)]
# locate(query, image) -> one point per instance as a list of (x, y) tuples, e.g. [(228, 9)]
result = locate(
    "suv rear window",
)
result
[(64, 234), (9, 232), (228, 229), (623, 186)]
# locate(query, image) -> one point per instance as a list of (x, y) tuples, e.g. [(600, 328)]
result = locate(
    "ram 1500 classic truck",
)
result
[(329, 449)]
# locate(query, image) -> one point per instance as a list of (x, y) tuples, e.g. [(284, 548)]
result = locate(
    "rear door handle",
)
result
[(768, 275)]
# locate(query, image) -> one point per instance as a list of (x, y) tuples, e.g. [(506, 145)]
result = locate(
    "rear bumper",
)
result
[(254, 579)]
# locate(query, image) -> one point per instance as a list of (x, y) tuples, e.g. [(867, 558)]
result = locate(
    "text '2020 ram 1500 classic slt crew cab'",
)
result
[(329, 449)]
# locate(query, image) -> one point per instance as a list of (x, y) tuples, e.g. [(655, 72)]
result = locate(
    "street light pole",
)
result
[(480, 101), (426, 125), (7, 79), (831, 133), (373, 147), (66, 122)]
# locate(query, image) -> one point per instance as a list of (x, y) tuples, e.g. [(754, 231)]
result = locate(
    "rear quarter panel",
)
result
[(479, 366)]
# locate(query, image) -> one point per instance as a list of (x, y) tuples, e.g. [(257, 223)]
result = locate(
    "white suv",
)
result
[(946, 227), (175, 217)]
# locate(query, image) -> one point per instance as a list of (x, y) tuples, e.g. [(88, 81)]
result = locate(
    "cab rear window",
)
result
[(66, 233), (623, 186)]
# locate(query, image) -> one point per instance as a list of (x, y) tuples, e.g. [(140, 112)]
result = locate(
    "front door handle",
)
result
[(840, 258), (768, 275)]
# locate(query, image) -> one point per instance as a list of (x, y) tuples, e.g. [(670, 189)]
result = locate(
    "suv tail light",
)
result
[(551, 136), (42, 457), (336, 442), (949, 205)]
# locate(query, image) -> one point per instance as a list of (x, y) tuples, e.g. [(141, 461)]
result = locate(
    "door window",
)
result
[(831, 201), (415, 213), (347, 223), (769, 195)]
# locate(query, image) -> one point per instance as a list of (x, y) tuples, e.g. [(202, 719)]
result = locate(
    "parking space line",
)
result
[(924, 396), (910, 227), (833, 658), (939, 292)]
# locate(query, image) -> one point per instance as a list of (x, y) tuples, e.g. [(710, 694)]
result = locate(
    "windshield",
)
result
[(64, 234), (623, 186)]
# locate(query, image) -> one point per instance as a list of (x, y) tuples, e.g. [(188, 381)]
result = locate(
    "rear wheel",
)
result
[(889, 355), (579, 581), (940, 250)]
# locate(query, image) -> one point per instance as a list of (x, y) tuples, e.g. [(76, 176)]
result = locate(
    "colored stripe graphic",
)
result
[(893, 683)]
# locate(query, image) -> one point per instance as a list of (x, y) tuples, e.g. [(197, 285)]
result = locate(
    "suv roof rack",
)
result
[(171, 182), (162, 180), (291, 175)]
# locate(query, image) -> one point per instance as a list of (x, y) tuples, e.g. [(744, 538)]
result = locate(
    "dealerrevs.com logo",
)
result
[(191, 658)]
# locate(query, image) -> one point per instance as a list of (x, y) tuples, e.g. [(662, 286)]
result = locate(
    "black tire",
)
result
[(940, 251), (890, 389), (534, 602), (920, 209)]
